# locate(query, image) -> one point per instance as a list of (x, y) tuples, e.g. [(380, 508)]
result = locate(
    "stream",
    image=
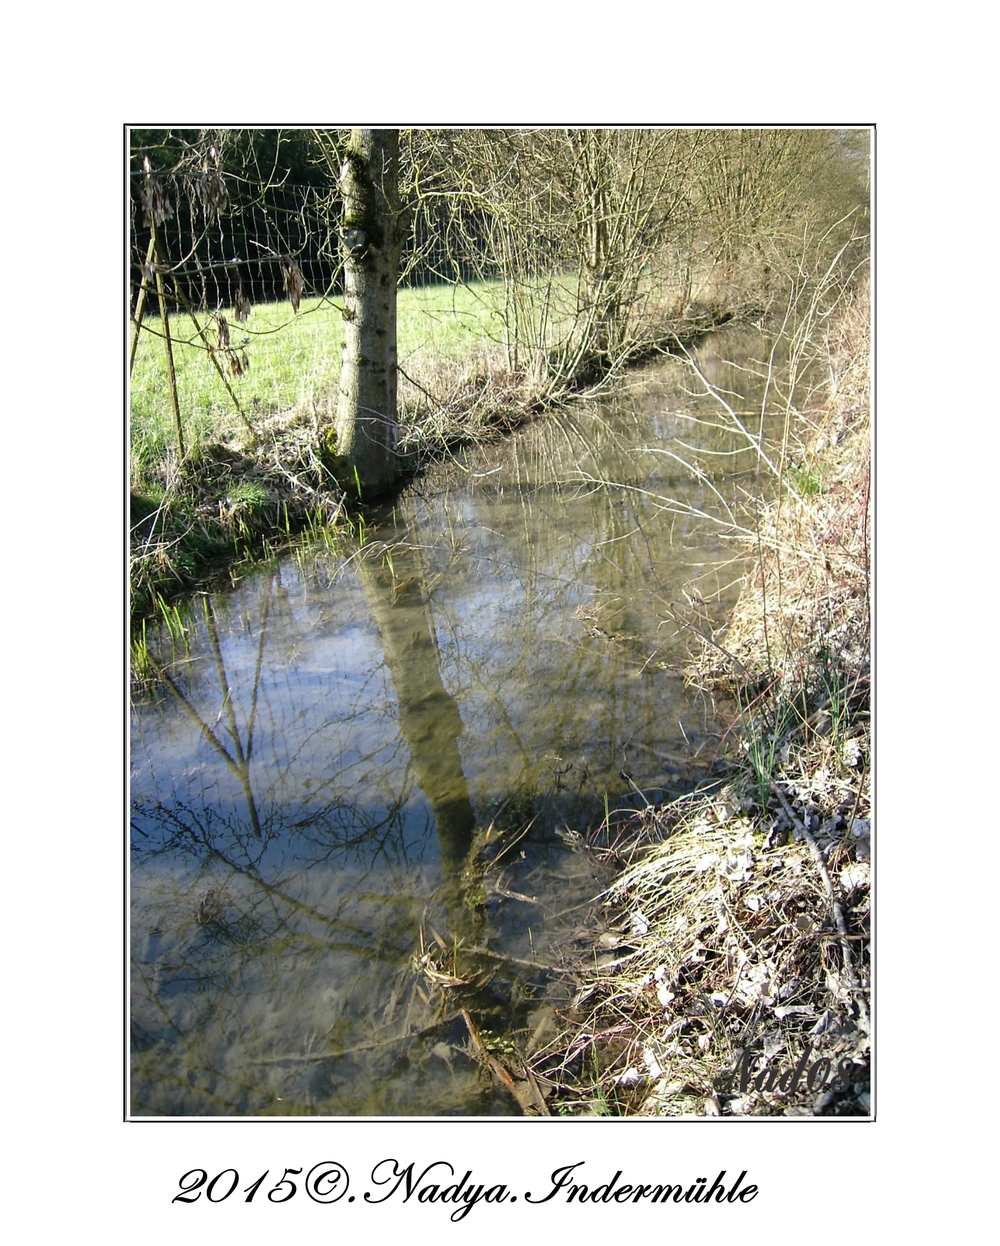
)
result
[(373, 768)]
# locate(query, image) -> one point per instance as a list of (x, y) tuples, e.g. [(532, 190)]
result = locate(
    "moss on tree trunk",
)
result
[(363, 455)]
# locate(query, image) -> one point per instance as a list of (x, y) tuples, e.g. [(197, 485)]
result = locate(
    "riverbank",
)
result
[(245, 489), (739, 980)]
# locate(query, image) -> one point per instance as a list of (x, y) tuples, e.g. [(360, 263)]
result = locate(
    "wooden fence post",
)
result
[(140, 306), (171, 375)]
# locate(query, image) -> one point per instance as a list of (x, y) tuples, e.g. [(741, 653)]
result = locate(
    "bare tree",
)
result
[(572, 223), (764, 195)]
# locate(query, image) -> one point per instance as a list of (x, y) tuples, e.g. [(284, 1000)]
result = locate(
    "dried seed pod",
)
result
[(292, 282)]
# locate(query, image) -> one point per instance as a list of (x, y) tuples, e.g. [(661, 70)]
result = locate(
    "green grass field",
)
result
[(446, 335), (294, 361)]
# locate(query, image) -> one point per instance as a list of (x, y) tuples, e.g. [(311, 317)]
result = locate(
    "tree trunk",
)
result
[(364, 456)]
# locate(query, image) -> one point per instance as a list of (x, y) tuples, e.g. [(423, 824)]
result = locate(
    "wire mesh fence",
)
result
[(233, 247), (251, 279), (227, 250)]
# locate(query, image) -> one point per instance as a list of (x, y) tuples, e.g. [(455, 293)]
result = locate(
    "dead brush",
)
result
[(459, 406), (729, 942)]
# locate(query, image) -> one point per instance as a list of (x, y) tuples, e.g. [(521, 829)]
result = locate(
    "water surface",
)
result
[(367, 756)]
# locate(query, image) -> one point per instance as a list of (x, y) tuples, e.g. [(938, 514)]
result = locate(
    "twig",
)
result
[(708, 640), (373, 1045), (488, 1060), (479, 1047), (835, 908), (416, 385), (514, 960)]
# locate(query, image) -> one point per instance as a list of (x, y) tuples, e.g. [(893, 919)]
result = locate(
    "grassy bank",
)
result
[(741, 916), (292, 363), (250, 476)]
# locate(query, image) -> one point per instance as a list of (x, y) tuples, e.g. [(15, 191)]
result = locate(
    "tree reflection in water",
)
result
[(312, 774), (272, 932)]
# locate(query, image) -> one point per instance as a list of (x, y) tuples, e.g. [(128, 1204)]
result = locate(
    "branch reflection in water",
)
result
[(344, 759)]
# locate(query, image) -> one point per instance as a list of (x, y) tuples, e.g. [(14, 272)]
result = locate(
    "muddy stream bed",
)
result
[(365, 759)]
